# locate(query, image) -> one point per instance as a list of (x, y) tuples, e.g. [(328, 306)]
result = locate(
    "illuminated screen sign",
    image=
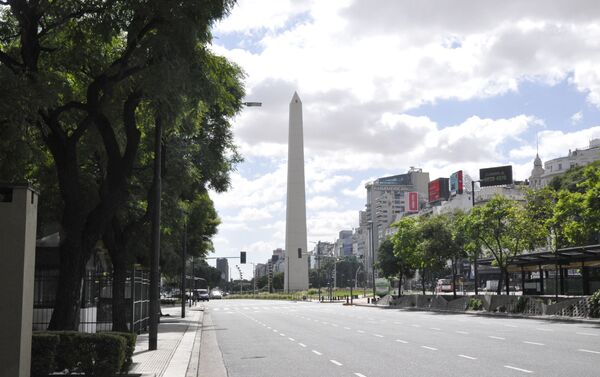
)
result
[(411, 202), (439, 190), (402, 180), (456, 183), (501, 175)]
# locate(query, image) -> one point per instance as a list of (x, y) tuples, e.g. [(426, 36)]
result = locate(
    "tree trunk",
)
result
[(115, 243), (476, 273), (423, 281), (400, 284), (507, 280), (454, 277), (499, 287)]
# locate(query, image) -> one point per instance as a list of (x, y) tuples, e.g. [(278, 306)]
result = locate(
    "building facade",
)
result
[(223, 267)]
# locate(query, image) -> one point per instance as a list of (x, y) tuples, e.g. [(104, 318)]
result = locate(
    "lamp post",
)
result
[(372, 243), (183, 258)]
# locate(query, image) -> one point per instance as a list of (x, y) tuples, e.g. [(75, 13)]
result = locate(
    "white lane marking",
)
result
[(302, 345), (586, 334), (269, 327), (336, 363), (541, 329), (429, 348), (513, 326), (346, 328), (324, 322), (334, 325), (401, 341), (462, 332), (360, 331), (282, 334), (468, 357), (317, 352), (275, 330), (416, 325), (359, 375), (292, 339), (497, 337), (519, 369), (588, 351), (379, 336), (534, 343), (397, 323), (436, 328)]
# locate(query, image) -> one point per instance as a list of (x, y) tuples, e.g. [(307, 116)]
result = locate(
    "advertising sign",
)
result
[(439, 190), (456, 183), (382, 286), (500, 175), (401, 179), (411, 202)]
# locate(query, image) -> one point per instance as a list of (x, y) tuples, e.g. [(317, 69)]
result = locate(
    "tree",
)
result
[(502, 227), (406, 242), (390, 265), (81, 74), (437, 244)]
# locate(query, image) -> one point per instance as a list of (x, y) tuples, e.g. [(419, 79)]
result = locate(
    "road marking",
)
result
[(586, 334), (416, 325), (317, 352), (282, 334), (497, 337), (336, 363), (397, 323), (324, 322), (540, 329), (292, 339), (359, 375), (519, 369), (346, 328), (511, 326), (462, 332), (468, 357), (302, 345), (269, 327), (360, 331), (401, 341), (588, 351), (534, 343), (334, 325), (436, 328), (429, 348), (379, 336), (275, 330)]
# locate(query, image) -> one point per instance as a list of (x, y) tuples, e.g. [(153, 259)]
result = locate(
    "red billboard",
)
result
[(411, 202), (439, 190)]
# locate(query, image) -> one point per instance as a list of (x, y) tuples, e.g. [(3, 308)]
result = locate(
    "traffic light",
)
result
[(242, 257), (299, 252)]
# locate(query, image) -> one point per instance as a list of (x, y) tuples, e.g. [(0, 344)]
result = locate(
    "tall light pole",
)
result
[(372, 254), (183, 258)]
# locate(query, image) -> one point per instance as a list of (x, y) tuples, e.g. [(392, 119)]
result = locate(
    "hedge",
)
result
[(99, 354)]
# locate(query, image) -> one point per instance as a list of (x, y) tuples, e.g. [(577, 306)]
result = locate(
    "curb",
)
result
[(495, 315)]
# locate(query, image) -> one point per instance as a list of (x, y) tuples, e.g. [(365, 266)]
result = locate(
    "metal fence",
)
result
[(96, 300)]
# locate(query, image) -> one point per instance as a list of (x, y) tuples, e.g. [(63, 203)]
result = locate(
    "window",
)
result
[(559, 166)]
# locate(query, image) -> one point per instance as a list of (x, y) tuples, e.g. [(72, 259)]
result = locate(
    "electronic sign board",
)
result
[(439, 190), (500, 175), (411, 202), (456, 183)]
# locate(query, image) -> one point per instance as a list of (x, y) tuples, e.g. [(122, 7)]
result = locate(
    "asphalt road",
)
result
[(282, 338)]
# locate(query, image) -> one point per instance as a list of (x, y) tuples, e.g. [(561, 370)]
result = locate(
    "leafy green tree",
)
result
[(81, 74), (502, 227), (390, 265), (437, 243), (407, 246)]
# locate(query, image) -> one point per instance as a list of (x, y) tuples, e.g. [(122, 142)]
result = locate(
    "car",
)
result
[(201, 294), (216, 294)]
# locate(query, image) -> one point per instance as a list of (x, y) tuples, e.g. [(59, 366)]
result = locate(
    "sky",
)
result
[(388, 85)]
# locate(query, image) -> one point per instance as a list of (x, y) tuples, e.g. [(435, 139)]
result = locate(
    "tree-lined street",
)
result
[(270, 338)]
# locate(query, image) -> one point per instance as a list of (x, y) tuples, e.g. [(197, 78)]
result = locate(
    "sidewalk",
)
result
[(180, 346)]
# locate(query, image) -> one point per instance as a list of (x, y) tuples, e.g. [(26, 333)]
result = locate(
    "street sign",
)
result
[(500, 175)]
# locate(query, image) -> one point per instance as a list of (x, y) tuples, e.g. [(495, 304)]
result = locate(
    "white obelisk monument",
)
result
[(296, 260)]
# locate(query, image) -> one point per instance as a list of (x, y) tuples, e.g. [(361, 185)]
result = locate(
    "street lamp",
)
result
[(372, 254)]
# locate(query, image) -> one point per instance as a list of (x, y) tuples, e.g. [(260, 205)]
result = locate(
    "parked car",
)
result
[(216, 294), (201, 294)]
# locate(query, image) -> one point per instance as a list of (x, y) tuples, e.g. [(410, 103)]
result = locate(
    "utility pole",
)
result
[(155, 260)]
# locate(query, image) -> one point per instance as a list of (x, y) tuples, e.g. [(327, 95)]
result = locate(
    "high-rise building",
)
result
[(385, 202), (223, 267)]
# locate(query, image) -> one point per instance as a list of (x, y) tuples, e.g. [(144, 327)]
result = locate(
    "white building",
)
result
[(541, 177)]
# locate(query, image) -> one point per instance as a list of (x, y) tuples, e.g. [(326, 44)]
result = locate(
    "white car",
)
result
[(216, 294)]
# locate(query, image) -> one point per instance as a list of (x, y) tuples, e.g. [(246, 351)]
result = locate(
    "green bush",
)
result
[(107, 357), (43, 353), (595, 305), (73, 348), (521, 305), (475, 304), (130, 339)]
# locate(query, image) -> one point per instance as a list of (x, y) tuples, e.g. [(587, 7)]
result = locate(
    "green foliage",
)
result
[(99, 354), (521, 305), (475, 304), (43, 354), (595, 305), (130, 339)]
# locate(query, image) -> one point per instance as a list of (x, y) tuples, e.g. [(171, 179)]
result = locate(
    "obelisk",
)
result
[(296, 260)]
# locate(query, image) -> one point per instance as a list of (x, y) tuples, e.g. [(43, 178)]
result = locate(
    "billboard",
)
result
[(439, 190), (456, 183), (401, 179), (500, 175), (411, 202)]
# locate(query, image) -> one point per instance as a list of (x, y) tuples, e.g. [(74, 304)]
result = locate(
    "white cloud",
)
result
[(321, 202), (576, 118)]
